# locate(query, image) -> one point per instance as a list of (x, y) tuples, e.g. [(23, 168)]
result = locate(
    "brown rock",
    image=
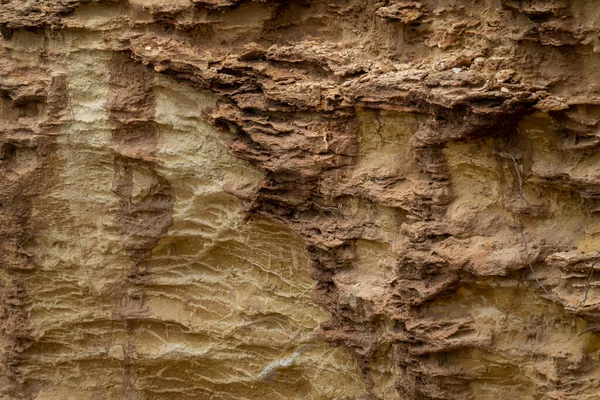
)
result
[(236, 199)]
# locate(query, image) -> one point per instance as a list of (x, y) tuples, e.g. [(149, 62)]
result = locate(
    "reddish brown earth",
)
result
[(229, 199)]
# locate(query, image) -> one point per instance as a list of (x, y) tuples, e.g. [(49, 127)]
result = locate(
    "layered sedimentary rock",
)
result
[(234, 199)]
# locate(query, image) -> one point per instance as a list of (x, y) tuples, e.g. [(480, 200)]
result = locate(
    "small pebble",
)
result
[(504, 90), (456, 70), (148, 48)]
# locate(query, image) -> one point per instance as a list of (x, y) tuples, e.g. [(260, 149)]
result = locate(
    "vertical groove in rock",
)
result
[(145, 197), (28, 112)]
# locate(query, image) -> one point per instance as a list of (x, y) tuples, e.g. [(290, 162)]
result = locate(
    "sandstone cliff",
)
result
[(312, 199)]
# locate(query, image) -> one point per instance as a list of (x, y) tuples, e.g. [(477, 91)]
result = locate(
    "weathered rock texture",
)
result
[(174, 173)]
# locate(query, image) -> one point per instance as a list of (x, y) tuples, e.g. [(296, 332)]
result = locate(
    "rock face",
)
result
[(317, 199)]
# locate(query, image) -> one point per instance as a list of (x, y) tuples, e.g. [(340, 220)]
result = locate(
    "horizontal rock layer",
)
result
[(339, 199)]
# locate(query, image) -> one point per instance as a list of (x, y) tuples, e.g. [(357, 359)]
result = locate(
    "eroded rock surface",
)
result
[(235, 199)]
